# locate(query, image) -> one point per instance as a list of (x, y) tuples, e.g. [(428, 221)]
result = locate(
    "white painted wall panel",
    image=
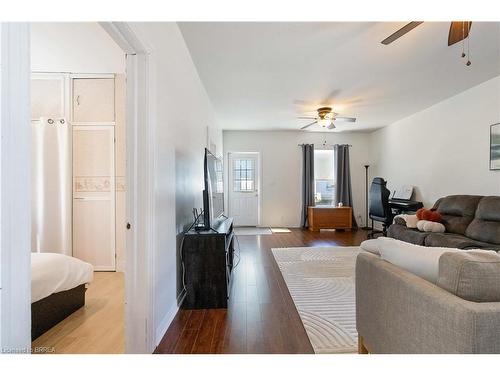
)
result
[(181, 111), (80, 47), (443, 149)]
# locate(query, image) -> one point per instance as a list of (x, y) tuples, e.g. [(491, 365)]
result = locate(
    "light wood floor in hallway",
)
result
[(98, 327)]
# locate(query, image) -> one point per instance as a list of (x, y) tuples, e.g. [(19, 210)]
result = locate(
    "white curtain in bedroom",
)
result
[(51, 186)]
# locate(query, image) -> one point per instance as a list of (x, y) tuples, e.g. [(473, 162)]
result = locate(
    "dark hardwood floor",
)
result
[(261, 316)]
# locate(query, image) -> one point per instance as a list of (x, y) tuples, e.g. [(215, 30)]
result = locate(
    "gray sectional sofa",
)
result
[(471, 222), (400, 312)]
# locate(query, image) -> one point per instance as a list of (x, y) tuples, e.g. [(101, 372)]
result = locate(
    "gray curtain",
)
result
[(342, 173), (307, 182)]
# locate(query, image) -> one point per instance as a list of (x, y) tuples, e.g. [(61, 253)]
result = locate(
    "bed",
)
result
[(58, 285)]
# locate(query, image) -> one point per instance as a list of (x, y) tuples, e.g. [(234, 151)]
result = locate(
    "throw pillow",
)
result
[(409, 220), (429, 215), (430, 226)]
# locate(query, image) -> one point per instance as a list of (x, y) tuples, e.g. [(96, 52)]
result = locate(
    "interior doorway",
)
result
[(15, 186), (78, 188), (244, 188)]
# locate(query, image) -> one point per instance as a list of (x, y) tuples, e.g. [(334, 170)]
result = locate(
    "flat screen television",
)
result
[(213, 195)]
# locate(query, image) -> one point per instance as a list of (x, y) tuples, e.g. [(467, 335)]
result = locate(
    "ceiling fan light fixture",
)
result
[(325, 122)]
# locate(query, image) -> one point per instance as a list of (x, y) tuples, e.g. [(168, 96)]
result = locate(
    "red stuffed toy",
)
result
[(429, 215)]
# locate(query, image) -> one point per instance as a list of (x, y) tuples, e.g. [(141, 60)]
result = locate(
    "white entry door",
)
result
[(244, 188)]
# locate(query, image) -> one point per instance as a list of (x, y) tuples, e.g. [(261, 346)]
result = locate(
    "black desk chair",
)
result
[(379, 206)]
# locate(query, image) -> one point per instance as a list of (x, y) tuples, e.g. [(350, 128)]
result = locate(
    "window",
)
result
[(243, 175), (219, 172), (323, 178)]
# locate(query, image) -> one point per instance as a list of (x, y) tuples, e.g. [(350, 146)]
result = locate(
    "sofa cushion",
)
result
[(401, 232), (457, 241), (457, 211), (472, 275), (486, 224), (449, 240)]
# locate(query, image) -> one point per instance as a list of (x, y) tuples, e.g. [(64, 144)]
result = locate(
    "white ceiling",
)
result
[(260, 76)]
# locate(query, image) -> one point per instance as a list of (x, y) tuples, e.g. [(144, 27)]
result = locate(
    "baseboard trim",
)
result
[(165, 323), (120, 266)]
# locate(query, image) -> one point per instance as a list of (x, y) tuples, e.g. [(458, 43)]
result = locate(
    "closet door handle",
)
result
[(78, 100)]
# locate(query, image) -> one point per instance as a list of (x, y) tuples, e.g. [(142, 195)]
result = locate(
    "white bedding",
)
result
[(52, 273)]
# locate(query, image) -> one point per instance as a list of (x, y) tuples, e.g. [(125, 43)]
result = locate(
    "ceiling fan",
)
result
[(326, 118), (458, 31)]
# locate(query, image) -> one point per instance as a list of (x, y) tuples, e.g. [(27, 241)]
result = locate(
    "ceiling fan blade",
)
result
[(332, 96), (307, 117), (402, 31), (305, 127), (458, 31), (345, 119)]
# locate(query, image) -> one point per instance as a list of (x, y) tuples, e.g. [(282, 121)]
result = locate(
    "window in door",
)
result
[(324, 184), (243, 175)]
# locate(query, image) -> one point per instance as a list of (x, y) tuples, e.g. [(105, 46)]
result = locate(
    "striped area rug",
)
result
[(321, 283)]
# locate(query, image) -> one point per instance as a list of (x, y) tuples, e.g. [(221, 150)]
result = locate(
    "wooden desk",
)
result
[(328, 217)]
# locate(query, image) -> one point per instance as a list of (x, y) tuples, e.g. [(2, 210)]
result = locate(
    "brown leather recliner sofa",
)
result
[(471, 222)]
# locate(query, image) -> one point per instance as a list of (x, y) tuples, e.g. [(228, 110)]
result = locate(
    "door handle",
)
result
[(78, 100)]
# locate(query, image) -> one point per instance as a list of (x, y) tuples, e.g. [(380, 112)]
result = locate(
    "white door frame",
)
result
[(15, 272), (259, 185), (15, 192), (140, 239)]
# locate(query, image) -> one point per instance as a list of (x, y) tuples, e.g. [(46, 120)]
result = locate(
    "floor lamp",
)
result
[(366, 227)]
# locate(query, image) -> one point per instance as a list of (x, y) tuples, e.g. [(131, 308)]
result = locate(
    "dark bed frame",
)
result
[(53, 309)]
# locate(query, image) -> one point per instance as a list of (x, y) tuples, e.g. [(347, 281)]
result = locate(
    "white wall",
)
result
[(181, 112), (281, 161), (79, 47), (443, 149)]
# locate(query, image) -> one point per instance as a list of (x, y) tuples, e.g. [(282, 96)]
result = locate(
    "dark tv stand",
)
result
[(208, 261)]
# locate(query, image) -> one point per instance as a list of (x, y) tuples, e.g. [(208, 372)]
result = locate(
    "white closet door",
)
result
[(93, 100), (94, 195)]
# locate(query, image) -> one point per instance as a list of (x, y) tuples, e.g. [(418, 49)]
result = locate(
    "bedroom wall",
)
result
[(184, 123), (281, 161), (443, 149), (79, 47)]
